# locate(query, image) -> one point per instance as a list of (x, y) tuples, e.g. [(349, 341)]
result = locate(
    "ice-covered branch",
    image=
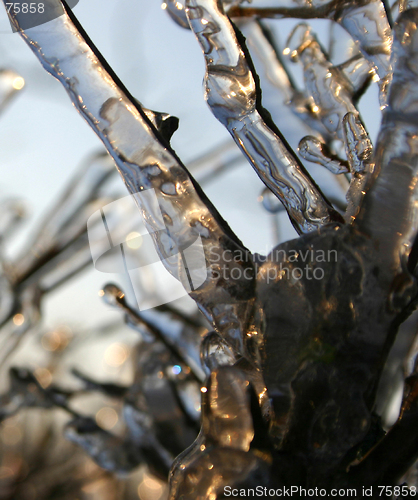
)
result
[(233, 96), (359, 152), (182, 350), (312, 149), (389, 211), (279, 87), (65, 222), (175, 210), (330, 90)]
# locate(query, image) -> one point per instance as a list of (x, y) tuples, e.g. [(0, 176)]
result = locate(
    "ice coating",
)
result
[(215, 352), (312, 149), (208, 475), (278, 86), (111, 452), (182, 348), (10, 84), (65, 222), (365, 21), (58, 250), (316, 344), (229, 418), (231, 94), (407, 4), (390, 205), (328, 87), (377, 246), (359, 151), (12, 211), (136, 145), (270, 202), (227, 423), (359, 73)]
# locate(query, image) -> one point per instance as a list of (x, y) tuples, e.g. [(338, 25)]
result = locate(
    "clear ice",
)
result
[(288, 374)]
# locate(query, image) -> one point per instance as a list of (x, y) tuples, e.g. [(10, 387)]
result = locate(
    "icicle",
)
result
[(216, 469), (359, 152), (255, 377), (215, 352), (368, 24), (10, 84), (312, 149), (232, 96), (227, 396)]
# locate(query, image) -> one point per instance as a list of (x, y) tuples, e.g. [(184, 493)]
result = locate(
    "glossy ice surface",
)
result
[(300, 336)]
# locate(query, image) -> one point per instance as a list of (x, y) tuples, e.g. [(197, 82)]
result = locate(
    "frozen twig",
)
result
[(182, 215), (389, 212), (365, 21), (233, 96)]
